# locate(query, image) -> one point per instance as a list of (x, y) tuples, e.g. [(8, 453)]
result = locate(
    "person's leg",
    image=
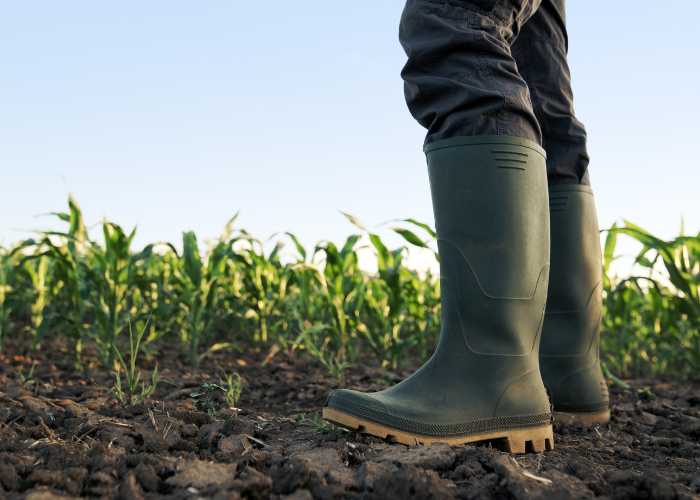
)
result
[(460, 78), (569, 353), (489, 190), (540, 52)]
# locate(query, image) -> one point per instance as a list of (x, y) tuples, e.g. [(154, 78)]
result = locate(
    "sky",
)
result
[(173, 116)]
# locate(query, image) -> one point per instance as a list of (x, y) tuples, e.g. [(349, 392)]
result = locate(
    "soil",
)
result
[(62, 437)]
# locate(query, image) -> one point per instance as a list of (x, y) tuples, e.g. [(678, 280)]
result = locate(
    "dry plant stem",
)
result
[(255, 440), (153, 420), (114, 421), (167, 428), (6, 426), (48, 431), (88, 432)]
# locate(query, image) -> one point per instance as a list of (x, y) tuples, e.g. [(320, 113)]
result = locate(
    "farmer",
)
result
[(517, 231)]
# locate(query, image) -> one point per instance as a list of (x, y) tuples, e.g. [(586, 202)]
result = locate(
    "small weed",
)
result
[(206, 405), (129, 396), (332, 361), (642, 394), (324, 428), (637, 394), (27, 381), (233, 388)]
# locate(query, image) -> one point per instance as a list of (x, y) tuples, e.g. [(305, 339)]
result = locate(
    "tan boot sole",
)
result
[(513, 441), (584, 418)]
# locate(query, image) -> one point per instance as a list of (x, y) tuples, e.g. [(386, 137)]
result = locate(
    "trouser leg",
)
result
[(460, 77), (540, 52)]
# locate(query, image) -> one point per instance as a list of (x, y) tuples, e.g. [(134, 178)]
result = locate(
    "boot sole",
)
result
[(512, 441), (584, 418)]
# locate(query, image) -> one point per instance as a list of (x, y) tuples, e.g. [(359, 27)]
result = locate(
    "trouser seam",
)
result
[(483, 65), (549, 41), (522, 19), (537, 108)]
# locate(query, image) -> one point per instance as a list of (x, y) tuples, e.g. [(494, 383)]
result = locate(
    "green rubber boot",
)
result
[(483, 383), (569, 359)]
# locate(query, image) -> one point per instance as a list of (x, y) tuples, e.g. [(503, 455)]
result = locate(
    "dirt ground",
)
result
[(62, 437)]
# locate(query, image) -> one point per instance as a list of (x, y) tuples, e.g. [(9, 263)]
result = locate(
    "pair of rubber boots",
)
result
[(505, 363)]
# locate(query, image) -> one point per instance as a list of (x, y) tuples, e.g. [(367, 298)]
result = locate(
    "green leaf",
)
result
[(300, 248), (355, 221), (228, 229), (409, 236), (610, 244), (427, 228)]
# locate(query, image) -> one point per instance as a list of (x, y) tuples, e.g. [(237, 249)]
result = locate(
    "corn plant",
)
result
[(109, 277), (38, 276), (265, 284), (7, 272), (389, 301), (198, 293), (648, 326), (63, 284), (65, 255)]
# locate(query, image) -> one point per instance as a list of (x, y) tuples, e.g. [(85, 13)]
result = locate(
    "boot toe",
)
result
[(354, 403)]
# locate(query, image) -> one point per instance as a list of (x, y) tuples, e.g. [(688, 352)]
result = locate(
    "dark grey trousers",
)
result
[(494, 67)]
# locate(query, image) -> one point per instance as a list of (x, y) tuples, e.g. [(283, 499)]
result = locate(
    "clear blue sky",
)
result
[(175, 115)]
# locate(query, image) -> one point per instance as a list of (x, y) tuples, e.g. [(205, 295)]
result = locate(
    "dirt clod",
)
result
[(411, 482), (290, 477), (196, 418)]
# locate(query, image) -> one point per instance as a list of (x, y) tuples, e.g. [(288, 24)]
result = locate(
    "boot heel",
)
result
[(587, 419)]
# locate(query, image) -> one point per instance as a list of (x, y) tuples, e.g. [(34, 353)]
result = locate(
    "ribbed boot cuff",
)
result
[(558, 188), (484, 139)]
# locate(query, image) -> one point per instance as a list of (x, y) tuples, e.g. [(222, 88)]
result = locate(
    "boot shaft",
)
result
[(492, 222), (569, 350), (574, 299)]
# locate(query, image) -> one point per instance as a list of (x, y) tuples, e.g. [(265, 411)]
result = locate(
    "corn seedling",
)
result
[(129, 395), (27, 379), (232, 387)]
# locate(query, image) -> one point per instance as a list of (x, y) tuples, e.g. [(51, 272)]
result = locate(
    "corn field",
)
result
[(237, 292)]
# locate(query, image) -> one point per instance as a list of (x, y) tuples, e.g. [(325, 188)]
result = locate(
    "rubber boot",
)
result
[(483, 382), (569, 354)]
